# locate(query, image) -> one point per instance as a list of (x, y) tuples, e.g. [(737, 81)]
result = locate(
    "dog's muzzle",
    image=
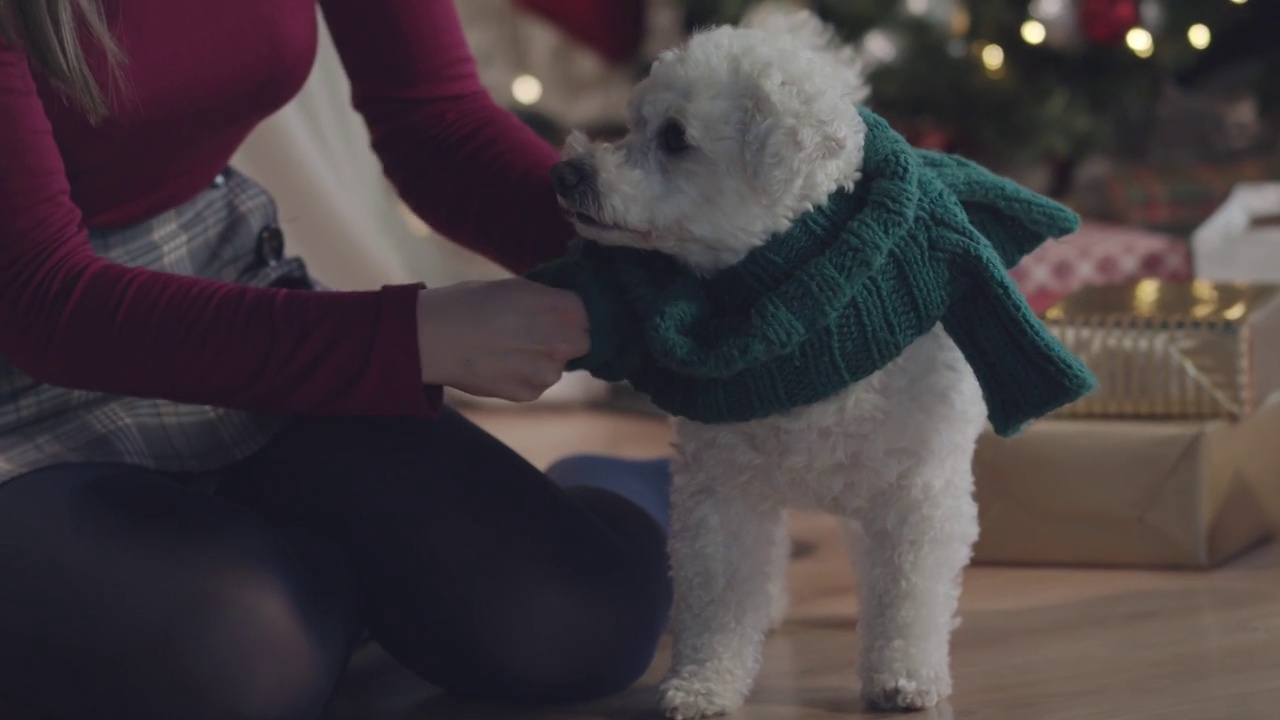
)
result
[(574, 181)]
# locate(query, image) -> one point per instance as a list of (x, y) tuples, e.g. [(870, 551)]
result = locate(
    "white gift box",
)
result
[(1240, 242)]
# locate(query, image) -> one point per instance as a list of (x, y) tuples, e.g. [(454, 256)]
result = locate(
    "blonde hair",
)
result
[(49, 32)]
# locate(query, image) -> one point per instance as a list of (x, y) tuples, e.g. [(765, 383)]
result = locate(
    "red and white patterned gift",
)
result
[(1099, 254)]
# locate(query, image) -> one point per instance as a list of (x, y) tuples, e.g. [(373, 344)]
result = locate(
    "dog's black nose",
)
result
[(571, 178)]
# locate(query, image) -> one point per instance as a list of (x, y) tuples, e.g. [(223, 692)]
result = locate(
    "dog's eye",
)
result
[(672, 138)]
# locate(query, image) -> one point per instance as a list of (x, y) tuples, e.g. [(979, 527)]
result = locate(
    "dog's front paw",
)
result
[(687, 696), (900, 694)]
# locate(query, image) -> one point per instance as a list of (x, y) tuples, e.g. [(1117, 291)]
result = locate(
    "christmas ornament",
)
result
[(927, 135), (614, 29), (1105, 22)]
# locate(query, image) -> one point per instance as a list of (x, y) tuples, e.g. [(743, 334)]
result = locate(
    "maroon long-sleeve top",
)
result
[(199, 76)]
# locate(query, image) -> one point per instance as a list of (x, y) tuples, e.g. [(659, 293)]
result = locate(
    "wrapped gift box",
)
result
[(1099, 254), (1240, 242), (1129, 493), (1193, 350), (1178, 199)]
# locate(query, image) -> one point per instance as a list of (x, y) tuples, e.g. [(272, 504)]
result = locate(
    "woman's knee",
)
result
[(553, 644), (255, 645)]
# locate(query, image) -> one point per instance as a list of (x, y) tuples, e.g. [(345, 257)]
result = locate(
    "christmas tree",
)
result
[(1014, 82)]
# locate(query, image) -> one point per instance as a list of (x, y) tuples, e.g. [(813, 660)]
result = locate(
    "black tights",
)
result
[(125, 593)]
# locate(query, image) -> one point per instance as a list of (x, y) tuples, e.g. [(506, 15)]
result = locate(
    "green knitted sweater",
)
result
[(923, 238)]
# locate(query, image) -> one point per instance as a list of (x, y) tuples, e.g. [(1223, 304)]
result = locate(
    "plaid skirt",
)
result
[(229, 232)]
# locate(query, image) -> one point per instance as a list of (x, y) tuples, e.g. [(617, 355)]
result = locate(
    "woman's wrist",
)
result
[(397, 354), (428, 354)]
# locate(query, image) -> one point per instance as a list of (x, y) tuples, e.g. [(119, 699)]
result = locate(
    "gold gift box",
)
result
[(1129, 493), (1172, 350)]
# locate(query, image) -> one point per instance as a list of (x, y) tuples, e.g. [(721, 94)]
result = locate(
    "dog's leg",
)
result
[(779, 592), (911, 547), (722, 555)]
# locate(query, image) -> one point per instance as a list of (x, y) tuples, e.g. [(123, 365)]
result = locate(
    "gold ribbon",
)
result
[(1173, 350)]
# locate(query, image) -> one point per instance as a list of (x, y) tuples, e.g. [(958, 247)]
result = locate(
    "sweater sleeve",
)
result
[(72, 319), (467, 167)]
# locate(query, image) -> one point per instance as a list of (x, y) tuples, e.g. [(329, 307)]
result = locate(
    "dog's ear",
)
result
[(806, 28), (779, 147)]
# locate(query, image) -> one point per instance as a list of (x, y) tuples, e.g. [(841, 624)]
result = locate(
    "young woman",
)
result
[(215, 480)]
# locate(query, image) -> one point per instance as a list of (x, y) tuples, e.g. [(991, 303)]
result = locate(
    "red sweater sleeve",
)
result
[(70, 318), (469, 168)]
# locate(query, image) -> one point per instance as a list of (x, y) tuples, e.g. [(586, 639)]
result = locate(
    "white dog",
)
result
[(733, 137)]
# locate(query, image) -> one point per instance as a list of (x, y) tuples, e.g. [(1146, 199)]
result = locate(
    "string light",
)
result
[(1199, 36), (992, 56), (526, 89), (1140, 42), (1034, 32)]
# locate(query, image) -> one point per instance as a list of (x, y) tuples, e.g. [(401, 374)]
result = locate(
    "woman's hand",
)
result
[(508, 339)]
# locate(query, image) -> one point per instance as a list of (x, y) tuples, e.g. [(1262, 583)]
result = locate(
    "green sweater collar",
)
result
[(924, 238)]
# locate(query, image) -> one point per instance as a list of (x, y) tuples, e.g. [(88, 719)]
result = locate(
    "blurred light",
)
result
[(960, 21), (1140, 42), (1033, 32), (880, 46), (993, 56), (526, 89), (1199, 36), (917, 7), (1047, 9), (1239, 2)]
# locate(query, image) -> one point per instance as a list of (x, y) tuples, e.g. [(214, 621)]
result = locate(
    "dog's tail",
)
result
[(786, 18)]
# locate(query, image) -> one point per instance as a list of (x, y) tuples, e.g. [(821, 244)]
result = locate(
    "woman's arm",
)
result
[(469, 168), (70, 318)]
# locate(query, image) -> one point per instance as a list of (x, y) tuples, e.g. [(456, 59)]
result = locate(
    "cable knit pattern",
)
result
[(924, 237)]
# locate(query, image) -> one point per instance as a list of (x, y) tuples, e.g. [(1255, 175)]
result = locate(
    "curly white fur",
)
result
[(770, 128)]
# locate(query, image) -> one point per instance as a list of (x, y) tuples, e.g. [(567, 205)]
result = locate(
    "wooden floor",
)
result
[(1035, 644)]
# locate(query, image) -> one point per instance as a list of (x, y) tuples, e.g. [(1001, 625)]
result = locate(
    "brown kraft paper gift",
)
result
[(1129, 493)]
